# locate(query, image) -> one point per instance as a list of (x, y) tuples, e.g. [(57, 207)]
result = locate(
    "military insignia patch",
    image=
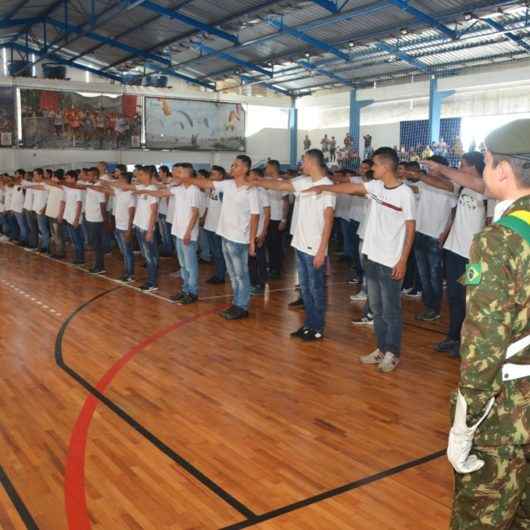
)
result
[(473, 274)]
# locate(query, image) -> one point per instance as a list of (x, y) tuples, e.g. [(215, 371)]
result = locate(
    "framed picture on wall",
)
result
[(194, 125), (65, 120), (7, 117)]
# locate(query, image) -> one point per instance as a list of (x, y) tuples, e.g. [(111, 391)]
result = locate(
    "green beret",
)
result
[(510, 139)]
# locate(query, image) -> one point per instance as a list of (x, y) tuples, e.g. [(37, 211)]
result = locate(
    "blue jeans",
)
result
[(44, 232), (236, 259), (346, 227), (313, 291), (150, 253), (384, 294), (204, 245), (22, 227), (429, 263), (76, 235), (164, 229), (126, 250), (216, 248), (189, 266)]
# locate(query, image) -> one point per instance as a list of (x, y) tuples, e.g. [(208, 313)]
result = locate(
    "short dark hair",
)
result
[(122, 168), (388, 154), (72, 174), (246, 160), (476, 160), (440, 160), (275, 164), (128, 176), (59, 174), (163, 168), (219, 169), (258, 171), (368, 161), (412, 166), (318, 156), (39, 171), (204, 173), (187, 165)]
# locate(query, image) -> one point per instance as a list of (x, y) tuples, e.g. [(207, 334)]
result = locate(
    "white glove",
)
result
[(461, 438)]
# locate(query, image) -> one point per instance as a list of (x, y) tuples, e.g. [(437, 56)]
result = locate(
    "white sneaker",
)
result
[(388, 363), (358, 297), (376, 357)]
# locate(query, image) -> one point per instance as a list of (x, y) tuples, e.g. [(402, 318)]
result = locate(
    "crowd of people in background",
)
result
[(405, 230)]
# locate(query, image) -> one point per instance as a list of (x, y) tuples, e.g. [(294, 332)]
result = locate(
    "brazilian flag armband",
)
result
[(518, 222), (473, 275)]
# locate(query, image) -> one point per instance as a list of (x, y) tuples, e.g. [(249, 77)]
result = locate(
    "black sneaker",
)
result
[(188, 299), (297, 303), (177, 297), (227, 311), (447, 345), (95, 270), (363, 321), (299, 333), (148, 288), (428, 315), (126, 278), (312, 335), (236, 314)]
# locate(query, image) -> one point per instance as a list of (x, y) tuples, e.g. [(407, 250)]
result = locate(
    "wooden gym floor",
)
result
[(120, 410)]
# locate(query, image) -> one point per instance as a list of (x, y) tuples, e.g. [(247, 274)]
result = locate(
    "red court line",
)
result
[(74, 483)]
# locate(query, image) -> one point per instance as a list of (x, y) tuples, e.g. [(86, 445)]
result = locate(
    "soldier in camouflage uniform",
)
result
[(492, 457)]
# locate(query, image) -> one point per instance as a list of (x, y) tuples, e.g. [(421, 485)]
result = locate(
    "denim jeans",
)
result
[(44, 232), (312, 287), (204, 245), (125, 246), (384, 294), (95, 235), (216, 248), (429, 262), (164, 229), (76, 235), (57, 232), (12, 226), (149, 251), (346, 227), (456, 293), (236, 259), (22, 227), (189, 266)]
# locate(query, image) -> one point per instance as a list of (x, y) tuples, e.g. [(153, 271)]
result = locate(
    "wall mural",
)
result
[(7, 117), (57, 120), (194, 125)]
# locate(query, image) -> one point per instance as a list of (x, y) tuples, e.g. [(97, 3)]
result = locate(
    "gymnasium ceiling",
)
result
[(288, 46)]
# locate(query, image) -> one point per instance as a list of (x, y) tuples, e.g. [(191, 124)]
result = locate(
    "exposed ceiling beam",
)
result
[(508, 34), (327, 4), (405, 57), (16, 9)]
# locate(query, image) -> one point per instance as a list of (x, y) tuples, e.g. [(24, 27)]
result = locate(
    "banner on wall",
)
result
[(194, 125), (60, 120), (7, 117)]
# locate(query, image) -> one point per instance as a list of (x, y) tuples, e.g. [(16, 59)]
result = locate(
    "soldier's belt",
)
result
[(511, 371)]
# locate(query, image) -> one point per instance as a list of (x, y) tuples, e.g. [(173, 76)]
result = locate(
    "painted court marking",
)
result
[(37, 302)]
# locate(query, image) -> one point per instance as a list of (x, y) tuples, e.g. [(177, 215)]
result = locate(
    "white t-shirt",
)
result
[(93, 202), (123, 200), (170, 213), (110, 200), (311, 208), (17, 198), (214, 211), (434, 209), (386, 230), (55, 196), (143, 207), (2, 200), (239, 203), (39, 200), (186, 198), (28, 199), (71, 197), (162, 207), (264, 202), (276, 203), (470, 219), (294, 217), (357, 204), (8, 199), (343, 206)]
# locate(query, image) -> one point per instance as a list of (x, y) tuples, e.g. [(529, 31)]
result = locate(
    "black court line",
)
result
[(334, 492), (423, 328), (148, 435), (18, 503)]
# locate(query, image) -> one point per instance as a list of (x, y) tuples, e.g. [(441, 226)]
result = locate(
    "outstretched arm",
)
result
[(459, 177), (347, 188), (269, 184)]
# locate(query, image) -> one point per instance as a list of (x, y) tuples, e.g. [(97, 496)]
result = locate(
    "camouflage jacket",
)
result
[(498, 311)]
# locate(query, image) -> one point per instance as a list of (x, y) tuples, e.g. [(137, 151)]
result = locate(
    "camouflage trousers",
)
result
[(497, 497)]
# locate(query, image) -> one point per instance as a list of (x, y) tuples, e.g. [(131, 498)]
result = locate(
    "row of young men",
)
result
[(386, 230)]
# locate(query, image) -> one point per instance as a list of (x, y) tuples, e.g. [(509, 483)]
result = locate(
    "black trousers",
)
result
[(275, 247), (456, 293), (257, 266), (95, 236), (33, 228)]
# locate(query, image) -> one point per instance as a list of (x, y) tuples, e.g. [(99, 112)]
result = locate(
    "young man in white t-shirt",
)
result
[(387, 245), (164, 221), (96, 217), (55, 196), (70, 210), (29, 214), (238, 224), (211, 221), (40, 197), (17, 207), (278, 223), (311, 238)]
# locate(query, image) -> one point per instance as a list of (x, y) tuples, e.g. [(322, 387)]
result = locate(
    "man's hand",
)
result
[(399, 271), (127, 235), (186, 239), (282, 226), (433, 168), (319, 259), (260, 240), (59, 220), (149, 235), (252, 249), (442, 238)]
